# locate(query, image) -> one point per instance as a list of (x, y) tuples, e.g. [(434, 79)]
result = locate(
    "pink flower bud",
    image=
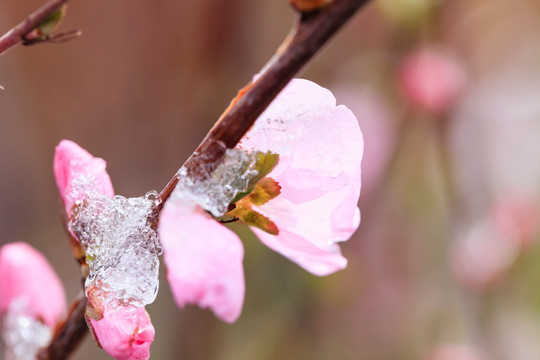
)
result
[(27, 278), (78, 173), (125, 333), (431, 79)]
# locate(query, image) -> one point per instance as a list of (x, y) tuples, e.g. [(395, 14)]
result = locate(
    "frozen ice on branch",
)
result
[(235, 177)]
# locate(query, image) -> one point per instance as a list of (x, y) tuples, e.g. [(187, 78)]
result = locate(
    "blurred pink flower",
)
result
[(320, 147), (450, 351), (124, 332), (483, 255), (431, 78), (518, 216), (73, 167), (29, 281)]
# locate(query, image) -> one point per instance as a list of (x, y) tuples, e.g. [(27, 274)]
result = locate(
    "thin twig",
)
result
[(309, 35), (69, 334), (15, 36)]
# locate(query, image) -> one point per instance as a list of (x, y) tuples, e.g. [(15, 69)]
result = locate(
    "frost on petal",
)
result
[(203, 259), (26, 278), (320, 147), (79, 174), (125, 333)]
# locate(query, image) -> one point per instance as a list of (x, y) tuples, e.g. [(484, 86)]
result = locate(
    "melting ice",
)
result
[(230, 178), (121, 246)]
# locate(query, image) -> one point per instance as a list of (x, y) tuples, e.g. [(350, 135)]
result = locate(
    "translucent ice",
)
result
[(231, 177), (23, 336), (121, 245)]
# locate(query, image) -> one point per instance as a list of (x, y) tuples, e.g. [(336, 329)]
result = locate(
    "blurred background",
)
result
[(446, 262)]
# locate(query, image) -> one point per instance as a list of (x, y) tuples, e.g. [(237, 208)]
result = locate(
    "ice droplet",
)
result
[(121, 246), (23, 336), (215, 193)]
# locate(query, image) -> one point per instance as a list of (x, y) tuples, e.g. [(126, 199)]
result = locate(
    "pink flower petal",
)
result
[(125, 333), (320, 147), (203, 259), (27, 277), (74, 166)]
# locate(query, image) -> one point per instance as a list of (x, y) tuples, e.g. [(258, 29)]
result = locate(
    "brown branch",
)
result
[(312, 31), (15, 36), (69, 334)]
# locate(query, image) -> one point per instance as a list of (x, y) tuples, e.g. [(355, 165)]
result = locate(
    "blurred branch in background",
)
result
[(47, 16)]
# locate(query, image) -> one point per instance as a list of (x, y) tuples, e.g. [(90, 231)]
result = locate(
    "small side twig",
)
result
[(15, 36), (312, 31), (69, 334)]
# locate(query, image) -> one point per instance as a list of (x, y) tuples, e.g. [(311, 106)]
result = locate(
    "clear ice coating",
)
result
[(121, 246), (23, 336), (230, 178)]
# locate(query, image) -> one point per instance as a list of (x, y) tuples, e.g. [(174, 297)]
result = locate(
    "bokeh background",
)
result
[(446, 262)]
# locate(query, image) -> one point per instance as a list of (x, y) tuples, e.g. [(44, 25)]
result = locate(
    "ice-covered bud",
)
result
[(454, 352), (26, 277), (32, 300), (125, 333), (203, 259), (320, 149), (483, 255), (431, 78), (78, 174)]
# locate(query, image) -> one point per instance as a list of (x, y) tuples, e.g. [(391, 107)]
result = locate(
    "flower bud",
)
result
[(125, 332), (431, 79), (27, 278)]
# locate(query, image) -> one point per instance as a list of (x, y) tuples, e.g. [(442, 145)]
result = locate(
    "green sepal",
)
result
[(265, 190), (264, 164), (251, 217)]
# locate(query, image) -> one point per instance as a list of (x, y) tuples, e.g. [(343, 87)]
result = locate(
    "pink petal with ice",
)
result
[(28, 278), (203, 259), (73, 167), (320, 147), (125, 333)]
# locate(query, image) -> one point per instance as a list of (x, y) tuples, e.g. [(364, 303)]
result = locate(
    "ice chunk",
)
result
[(231, 177), (121, 245), (23, 336)]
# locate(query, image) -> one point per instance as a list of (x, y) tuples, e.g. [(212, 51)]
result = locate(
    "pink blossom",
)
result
[(431, 78), (320, 147), (125, 333), (203, 258), (28, 279), (483, 255), (74, 168)]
